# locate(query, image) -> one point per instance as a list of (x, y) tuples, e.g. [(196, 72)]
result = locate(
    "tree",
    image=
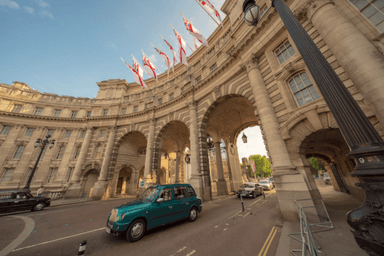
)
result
[(316, 163), (262, 164)]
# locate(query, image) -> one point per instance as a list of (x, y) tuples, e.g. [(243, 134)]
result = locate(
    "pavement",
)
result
[(222, 228), (338, 241)]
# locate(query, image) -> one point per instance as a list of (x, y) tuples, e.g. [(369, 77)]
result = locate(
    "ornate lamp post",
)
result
[(365, 144), (42, 144)]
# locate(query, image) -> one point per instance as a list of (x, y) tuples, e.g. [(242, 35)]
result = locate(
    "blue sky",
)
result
[(65, 47)]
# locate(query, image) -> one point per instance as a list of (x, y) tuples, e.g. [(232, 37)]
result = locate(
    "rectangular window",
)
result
[(264, 10), (83, 133), (67, 135), (19, 152), (135, 109), (38, 111), (198, 79), (89, 114), (284, 52), (57, 113), (105, 112), (102, 133), (373, 10), (213, 67), (123, 111), (180, 192), (171, 97), (160, 101), (74, 114), (5, 130), (50, 132), (77, 152), (191, 192), (16, 108), (166, 194), (52, 175), (7, 176), (98, 152), (61, 153), (29, 132), (70, 170), (303, 89)]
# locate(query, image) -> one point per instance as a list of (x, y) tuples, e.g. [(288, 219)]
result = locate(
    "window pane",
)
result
[(315, 95), (297, 79), (369, 11), (304, 93), (294, 89), (19, 152), (180, 192), (379, 4), (291, 50), (298, 95), (286, 55), (361, 4), (281, 59), (292, 83), (7, 176), (300, 85), (377, 18), (304, 75), (307, 82), (311, 89), (301, 102), (308, 99), (380, 27)]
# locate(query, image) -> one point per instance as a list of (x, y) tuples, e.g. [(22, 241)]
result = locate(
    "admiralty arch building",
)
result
[(127, 138)]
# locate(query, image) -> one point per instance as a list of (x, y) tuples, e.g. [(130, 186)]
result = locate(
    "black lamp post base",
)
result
[(368, 219)]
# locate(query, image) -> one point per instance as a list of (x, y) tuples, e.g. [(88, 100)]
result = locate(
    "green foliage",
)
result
[(263, 166), (316, 163)]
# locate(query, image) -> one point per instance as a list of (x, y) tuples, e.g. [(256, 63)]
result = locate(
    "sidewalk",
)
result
[(338, 241), (60, 202)]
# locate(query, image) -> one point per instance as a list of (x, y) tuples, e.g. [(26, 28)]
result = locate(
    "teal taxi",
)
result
[(158, 205)]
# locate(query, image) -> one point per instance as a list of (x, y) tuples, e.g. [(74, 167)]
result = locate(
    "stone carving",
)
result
[(217, 91), (171, 116), (133, 126)]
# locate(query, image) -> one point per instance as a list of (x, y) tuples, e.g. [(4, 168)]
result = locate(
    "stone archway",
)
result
[(124, 181), (88, 182), (223, 120)]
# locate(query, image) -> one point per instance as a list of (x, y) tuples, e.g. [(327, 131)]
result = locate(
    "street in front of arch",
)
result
[(221, 229)]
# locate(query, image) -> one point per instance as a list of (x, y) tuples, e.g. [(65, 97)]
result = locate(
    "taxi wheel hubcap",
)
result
[(137, 230), (39, 207), (193, 214)]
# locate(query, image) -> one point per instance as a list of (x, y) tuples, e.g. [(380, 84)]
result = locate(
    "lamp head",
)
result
[(52, 144), (37, 143), (251, 12), (245, 140)]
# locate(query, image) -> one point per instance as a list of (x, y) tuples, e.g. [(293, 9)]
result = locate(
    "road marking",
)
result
[(58, 239), (270, 241), (267, 241), (234, 215), (255, 202), (246, 215), (182, 249), (225, 229), (192, 252), (216, 226), (29, 226)]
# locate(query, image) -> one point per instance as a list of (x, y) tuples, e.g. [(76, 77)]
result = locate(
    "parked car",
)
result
[(266, 184), (158, 205), (327, 179), (21, 200), (249, 189), (272, 181)]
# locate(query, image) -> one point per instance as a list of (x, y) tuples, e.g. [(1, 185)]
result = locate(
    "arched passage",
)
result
[(88, 182), (170, 144), (223, 121)]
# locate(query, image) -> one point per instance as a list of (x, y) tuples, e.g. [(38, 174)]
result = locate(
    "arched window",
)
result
[(61, 153), (373, 10), (303, 89)]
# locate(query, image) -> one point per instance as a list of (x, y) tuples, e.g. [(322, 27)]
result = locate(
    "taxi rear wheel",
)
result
[(38, 207), (136, 230), (192, 215)]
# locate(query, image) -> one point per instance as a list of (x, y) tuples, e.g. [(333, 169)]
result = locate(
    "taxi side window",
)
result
[(191, 192), (21, 196), (180, 192), (166, 194)]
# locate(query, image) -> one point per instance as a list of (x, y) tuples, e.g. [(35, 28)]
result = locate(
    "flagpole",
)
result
[(182, 37), (167, 64), (207, 12), (140, 65), (166, 40)]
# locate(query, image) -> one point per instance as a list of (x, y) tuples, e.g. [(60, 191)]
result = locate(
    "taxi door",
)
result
[(162, 209), (181, 203)]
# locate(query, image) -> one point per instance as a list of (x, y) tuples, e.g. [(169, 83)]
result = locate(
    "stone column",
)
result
[(75, 186), (290, 184), (148, 156), (231, 181), (101, 184), (361, 60), (177, 176), (221, 183), (195, 179), (133, 183)]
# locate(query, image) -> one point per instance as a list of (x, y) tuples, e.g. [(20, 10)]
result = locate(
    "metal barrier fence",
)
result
[(314, 218)]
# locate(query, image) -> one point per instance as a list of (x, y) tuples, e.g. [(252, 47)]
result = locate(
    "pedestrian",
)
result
[(40, 191)]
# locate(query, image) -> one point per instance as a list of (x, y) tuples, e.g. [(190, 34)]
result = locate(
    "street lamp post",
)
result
[(365, 144), (42, 144)]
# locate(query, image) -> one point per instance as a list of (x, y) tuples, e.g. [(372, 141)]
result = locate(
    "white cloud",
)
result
[(46, 14), (153, 57), (42, 3), (9, 3), (29, 9)]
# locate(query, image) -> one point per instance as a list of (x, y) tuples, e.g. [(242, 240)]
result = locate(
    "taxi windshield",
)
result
[(149, 195)]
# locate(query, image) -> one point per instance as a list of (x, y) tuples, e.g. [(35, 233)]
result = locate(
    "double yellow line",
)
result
[(268, 242)]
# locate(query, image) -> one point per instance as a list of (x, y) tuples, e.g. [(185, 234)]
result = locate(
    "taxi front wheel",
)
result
[(192, 215), (136, 230)]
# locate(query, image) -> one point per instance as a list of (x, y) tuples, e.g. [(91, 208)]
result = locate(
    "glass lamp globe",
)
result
[(251, 12), (245, 139)]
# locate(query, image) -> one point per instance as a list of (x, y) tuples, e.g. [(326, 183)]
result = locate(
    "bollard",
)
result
[(263, 193), (83, 245), (242, 204)]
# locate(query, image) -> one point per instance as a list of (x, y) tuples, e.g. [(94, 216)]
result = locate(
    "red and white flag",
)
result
[(149, 66), (182, 48), (167, 61), (173, 52), (136, 73), (194, 32), (211, 9), (195, 44)]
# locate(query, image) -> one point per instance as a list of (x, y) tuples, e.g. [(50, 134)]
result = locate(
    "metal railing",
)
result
[(314, 218)]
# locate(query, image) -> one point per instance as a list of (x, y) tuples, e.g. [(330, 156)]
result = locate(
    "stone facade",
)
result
[(247, 76)]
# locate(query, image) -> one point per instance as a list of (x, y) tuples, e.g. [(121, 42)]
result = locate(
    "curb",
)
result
[(88, 201)]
